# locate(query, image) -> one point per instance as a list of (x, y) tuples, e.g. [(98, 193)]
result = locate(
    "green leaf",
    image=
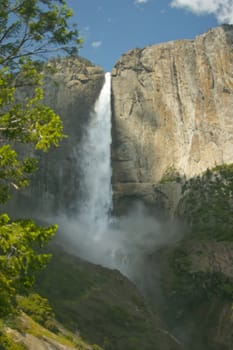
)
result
[(28, 29)]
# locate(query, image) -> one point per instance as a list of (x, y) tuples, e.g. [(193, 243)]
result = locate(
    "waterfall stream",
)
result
[(96, 165)]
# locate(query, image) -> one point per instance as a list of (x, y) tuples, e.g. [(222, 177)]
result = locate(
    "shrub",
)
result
[(39, 309), (7, 343)]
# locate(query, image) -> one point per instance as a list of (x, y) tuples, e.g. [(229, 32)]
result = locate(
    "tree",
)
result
[(30, 30)]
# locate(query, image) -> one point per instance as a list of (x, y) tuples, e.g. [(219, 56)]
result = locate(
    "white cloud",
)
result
[(141, 1), (96, 44), (221, 9)]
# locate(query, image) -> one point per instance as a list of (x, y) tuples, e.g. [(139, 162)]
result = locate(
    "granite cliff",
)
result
[(71, 87), (172, 115)]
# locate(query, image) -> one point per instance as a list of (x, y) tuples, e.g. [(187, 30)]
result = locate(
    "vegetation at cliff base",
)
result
[(198, 286), (171, 175), (199, 274), (30, 31), (207, 204)]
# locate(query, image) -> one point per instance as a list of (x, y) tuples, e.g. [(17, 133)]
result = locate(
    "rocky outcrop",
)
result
[(172, 111), (32, 342), (71, 87), (29, 335)]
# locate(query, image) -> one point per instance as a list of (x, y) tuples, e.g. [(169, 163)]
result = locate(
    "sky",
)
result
[(110, 28)]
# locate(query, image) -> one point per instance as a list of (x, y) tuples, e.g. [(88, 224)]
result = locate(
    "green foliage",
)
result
[(19, 259), (180, 261), (39, 309), (208, 206), (199, 285), (30, 123), (7, 343), (119, 317), (24, 324), (35, 27), (96, 347), (28, 29), (171, 175)]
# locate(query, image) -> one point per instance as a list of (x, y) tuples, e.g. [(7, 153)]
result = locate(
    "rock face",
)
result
[(172, 111), (71, 87), (28, 334), (35, 343)]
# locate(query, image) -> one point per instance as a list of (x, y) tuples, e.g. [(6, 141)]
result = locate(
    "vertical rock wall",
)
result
[(71, 87), (172, 112)]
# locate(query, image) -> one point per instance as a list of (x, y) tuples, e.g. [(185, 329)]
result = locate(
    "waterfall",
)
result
[(115, 242), (96, 165)]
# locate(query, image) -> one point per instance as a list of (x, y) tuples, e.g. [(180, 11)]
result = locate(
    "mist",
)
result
[(124, 243)]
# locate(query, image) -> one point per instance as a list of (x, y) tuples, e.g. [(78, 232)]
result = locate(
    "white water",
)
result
[(92, 234), (96, 166)]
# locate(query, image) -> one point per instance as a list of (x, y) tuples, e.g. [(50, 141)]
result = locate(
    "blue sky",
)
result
[(112, 27)]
